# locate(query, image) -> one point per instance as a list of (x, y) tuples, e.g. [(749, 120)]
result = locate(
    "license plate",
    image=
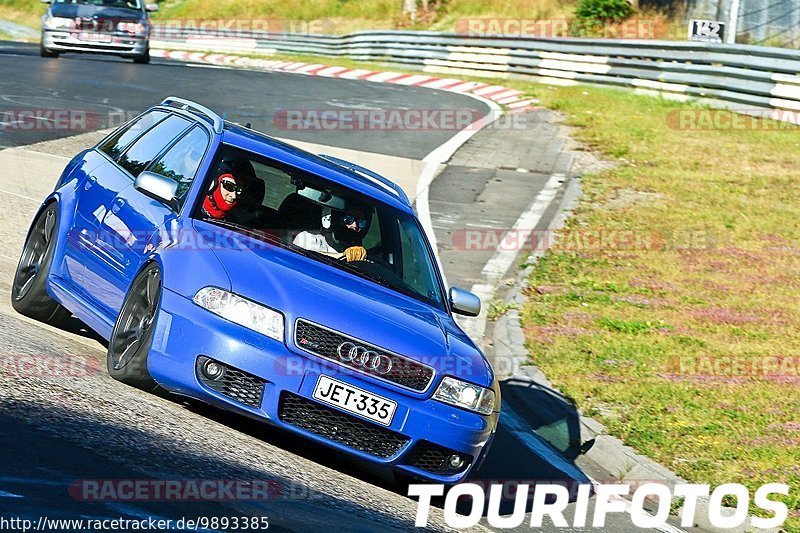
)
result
[(355, 400), (94, 37)]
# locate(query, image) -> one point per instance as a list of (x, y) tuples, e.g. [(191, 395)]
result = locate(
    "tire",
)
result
[(44, 52), (143, 59), (132, 335), (29, 288)]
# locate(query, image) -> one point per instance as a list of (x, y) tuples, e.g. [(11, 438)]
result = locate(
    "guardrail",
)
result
[(753, 76)]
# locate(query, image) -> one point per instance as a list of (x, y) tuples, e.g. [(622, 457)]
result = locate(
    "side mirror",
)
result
[(464, 302), (157, 187), (152, 8), (46, 1)]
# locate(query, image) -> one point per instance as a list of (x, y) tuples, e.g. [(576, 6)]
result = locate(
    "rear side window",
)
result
[(181, 161), (149, 145), (115, 145)]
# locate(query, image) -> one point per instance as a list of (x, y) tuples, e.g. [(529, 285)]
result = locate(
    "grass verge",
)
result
[(336, 16), (670, 307)]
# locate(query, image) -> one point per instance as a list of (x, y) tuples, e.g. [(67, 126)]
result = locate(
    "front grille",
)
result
[(340, 427), (243, 387), (325, 343), (433, 458)]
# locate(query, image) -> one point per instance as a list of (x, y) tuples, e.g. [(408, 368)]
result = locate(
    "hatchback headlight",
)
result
[(55, 23), (135, 28), (466, 395), (241, 311)]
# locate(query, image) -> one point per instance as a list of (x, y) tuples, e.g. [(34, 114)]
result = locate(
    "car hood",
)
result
[(301, 287), (72, 11)]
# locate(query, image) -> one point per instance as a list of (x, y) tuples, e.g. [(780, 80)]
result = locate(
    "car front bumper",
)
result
[(65, 41), (421, 431)]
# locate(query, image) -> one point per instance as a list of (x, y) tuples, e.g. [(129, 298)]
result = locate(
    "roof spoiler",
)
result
[(374, 176), (188, 105)]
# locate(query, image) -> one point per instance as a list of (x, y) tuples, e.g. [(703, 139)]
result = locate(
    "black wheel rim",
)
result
[(34, 253), (136, 318)]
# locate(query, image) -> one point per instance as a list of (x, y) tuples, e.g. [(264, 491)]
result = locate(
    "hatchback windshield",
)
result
[(130, 4), (316, 218)]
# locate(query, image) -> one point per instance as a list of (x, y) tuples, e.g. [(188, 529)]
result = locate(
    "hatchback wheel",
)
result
[(29, 290), (133, 333)]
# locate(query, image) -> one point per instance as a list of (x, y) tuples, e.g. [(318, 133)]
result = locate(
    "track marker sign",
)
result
[(709, 31)]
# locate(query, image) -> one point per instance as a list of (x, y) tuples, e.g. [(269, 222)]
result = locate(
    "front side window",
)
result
[(149, 145), (180, 162), (322, 220), (116, 144)]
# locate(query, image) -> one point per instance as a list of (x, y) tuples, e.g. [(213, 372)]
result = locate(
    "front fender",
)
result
[(186, 260)]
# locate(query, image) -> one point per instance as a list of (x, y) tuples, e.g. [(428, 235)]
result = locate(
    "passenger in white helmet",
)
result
[(340, 236)]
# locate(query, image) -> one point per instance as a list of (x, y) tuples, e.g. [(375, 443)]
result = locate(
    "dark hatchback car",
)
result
[(118, 27)]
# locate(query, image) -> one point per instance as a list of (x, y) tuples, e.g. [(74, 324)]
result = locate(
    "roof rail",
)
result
[(188, 105), (374, 176)]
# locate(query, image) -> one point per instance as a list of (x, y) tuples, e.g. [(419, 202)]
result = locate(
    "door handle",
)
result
[(119, 203), (91, 180)]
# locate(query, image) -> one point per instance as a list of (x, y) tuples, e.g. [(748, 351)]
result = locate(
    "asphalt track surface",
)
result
[(58, 428), (105, 86)]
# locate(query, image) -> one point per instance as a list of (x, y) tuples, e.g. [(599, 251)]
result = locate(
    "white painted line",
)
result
[(4, 494), (436, 158), (215, 67), (2, 191), (508, 249)]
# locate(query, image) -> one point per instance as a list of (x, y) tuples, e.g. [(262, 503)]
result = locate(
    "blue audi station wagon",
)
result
[(227, 266)]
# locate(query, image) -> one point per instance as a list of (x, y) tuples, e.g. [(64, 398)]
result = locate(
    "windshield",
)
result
[(318, 219), (129, 4)]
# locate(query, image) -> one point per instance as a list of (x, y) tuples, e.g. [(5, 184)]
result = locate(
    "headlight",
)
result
[(54, 23), (466, 395), (136, 28), (241, 311)]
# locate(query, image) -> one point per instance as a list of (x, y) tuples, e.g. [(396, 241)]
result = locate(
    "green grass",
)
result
[(343, 16), (643, 331)]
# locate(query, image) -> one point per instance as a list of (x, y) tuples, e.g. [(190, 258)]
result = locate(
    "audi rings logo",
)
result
[(368, 359)]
